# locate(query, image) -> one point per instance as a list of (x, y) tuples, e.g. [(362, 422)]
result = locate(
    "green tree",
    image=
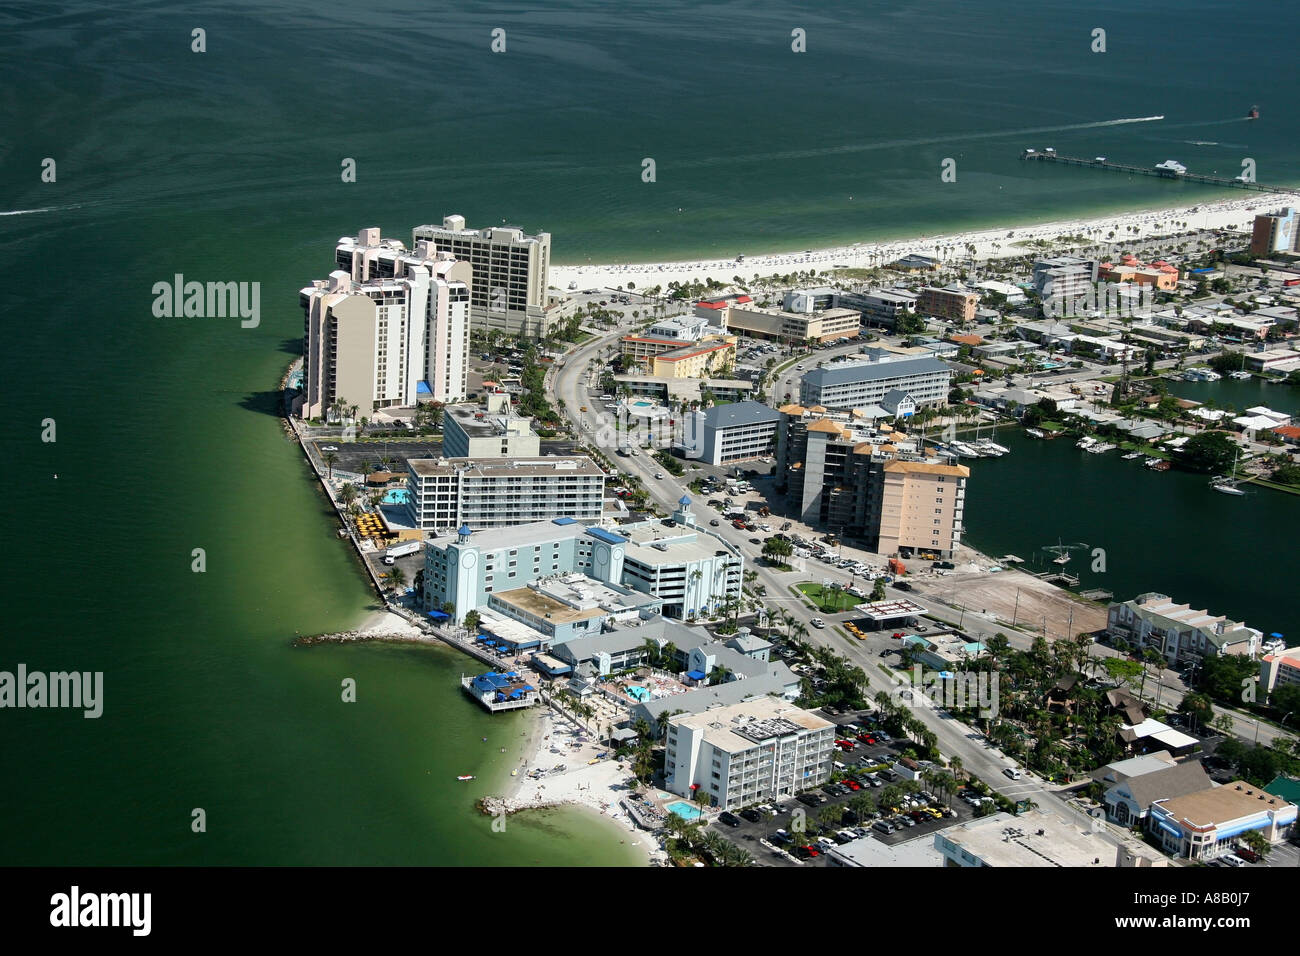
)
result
[(472, 620), (1208, 451), (330, 458)]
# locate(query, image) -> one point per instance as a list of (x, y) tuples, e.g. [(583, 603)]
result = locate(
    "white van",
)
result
[(1012, 772)]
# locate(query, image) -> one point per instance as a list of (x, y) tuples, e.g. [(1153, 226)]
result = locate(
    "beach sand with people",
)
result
[(552, 741), (981, 246)]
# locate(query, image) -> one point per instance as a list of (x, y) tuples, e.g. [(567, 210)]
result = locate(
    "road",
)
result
[(954, 738)]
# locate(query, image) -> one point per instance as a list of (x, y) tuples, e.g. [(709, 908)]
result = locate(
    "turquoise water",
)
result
[(397, 496), (225, 166), (638, 693), (643, 404), (684, 810)]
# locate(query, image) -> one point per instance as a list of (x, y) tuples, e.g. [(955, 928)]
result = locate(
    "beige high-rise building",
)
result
[(389, 328), (921, 506), (511, 273)]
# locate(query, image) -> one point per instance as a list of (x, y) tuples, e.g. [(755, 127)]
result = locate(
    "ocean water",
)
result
[(225, 166)]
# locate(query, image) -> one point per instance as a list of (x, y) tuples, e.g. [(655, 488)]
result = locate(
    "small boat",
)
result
[(1241, 375), (1227, 489), (1086, 442), (467, 776), (1063, 559), (1034, 432), (1253, 113), (1131, 455)]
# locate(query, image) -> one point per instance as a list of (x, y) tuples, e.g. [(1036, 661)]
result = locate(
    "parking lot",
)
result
[(780, 823)]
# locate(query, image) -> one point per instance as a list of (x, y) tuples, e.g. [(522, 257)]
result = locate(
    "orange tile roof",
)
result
[(927, 468), (826, 425), (792, 410)]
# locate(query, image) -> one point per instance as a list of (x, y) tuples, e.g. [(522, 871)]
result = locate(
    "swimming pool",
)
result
[(639, 693), (684, 810), (396, 496), (643, 404)]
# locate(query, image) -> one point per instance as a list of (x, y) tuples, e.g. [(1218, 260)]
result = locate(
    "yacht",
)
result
[(1131, 455), (1241, 374), (1226, 488), (1034, 432)]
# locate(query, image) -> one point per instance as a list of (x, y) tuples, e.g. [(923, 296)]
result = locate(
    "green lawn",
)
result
[(830, 601)]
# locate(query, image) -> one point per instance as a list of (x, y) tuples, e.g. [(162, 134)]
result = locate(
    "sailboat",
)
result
[(1227, 483)]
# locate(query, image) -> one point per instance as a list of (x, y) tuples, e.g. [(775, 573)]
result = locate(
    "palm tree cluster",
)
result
[(687, 842)]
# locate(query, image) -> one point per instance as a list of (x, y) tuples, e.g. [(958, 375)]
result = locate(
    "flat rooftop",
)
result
[(544, 606), (657, 544), (888, 610), (868, 851), (738, 727), (1039, 839), (476, 422), (497, 468), (518, 536)]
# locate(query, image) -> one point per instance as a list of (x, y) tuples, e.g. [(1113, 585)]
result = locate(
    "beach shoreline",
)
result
[(596, 787), (982, 245)]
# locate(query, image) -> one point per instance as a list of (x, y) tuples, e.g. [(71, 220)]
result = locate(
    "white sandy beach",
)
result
[(988, 244), (595, 786)]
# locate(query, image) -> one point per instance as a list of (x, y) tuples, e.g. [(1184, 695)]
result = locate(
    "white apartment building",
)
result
[(692, 570), (390, 328), (446, 493), (746, 753), (490, 430), (511, 273), (860, 384), (685, 567)]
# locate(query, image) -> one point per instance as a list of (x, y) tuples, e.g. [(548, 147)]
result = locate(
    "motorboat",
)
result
[(467, 776), (1035, 433)]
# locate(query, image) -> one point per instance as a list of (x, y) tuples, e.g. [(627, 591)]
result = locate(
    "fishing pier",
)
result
[(1160, 172)]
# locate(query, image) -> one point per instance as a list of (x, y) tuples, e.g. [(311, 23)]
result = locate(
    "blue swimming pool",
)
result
[(397, 496), (638, 693), (642, 404), (684, 810)]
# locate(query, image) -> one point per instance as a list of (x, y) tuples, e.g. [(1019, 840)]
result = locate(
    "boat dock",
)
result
[(1100, 163), (500, 691), (1057, 577)]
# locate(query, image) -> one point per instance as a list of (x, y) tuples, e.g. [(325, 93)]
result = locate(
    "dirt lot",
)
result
[(1014, 596)]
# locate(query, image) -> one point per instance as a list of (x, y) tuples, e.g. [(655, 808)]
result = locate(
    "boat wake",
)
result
[(29, 212), (919, 141)]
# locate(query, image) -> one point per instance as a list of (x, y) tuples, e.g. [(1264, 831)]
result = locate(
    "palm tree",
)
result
[(330, 458), (348, 493), (396, 579)]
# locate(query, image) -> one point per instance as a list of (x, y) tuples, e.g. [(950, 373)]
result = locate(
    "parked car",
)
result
[(730, 819), (752, 815)]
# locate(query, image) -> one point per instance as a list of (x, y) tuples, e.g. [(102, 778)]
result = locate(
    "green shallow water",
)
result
[(225, 167)]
